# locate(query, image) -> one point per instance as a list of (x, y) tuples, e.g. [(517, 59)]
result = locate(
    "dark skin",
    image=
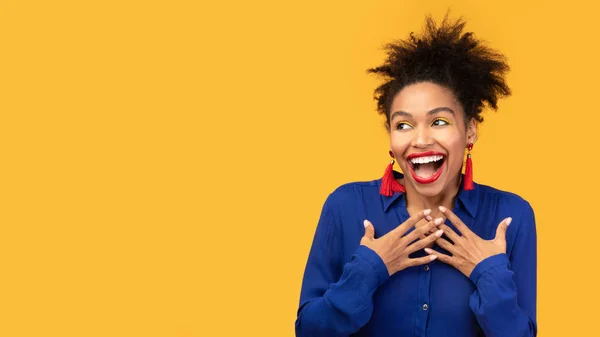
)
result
[(465, 254), (467, 248), (395, 246), (429, 118)]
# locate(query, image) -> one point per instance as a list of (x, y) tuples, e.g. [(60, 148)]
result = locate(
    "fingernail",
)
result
[(432, 257), (439, 233), (429, 218), (508, 221), (429, 251), (442, 208), (438, 221), (366, 223), (427, 211)]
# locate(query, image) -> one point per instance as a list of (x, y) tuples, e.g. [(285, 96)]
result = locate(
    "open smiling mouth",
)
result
[(426, 167)]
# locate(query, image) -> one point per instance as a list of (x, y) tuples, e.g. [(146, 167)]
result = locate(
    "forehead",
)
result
[(419, 98)]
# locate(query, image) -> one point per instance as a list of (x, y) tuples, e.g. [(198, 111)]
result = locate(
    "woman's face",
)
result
[(428, 137)]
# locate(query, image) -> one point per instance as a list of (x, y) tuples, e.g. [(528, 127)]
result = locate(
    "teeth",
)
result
[(425, 160)]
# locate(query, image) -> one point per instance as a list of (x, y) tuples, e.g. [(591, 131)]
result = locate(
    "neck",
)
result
[(416, 202)]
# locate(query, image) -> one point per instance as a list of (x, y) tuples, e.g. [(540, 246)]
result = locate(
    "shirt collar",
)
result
[(469, 200)]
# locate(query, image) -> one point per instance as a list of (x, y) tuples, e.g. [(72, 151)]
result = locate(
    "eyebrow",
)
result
[(430, 112)]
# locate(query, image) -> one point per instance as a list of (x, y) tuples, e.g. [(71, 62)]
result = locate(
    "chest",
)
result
[(428, 300)]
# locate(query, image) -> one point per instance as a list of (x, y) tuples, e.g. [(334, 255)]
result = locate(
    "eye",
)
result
[(403, 126), (440, 122)]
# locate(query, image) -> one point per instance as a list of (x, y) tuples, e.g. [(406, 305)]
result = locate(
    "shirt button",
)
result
[(426, 268), (425, 306)]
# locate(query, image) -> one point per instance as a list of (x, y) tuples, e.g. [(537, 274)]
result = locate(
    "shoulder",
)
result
[(350, 194), (503, 199), (353, 190), (356, 187), (508, 204)]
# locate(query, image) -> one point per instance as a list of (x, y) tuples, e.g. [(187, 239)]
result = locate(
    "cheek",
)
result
[(456, 149), (399, 143)]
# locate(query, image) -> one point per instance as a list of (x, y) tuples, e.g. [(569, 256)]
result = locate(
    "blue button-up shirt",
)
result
[(347, 291)]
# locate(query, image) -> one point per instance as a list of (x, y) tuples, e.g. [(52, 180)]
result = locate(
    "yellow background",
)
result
[(164, 163)]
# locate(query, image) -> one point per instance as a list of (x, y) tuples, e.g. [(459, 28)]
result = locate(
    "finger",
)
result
[(456, 221), (410, 222), (446, 245), (420, 232), (369, 230), (450, 233), (502, 228), (425, 222), (422, 222), (424, 242), (421, 260), (442, 257)]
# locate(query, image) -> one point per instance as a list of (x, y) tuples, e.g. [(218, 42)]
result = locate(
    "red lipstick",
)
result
[(424, 154), (435, 176)]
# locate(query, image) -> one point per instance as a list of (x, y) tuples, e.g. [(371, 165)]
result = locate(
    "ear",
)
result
[(472, 131)]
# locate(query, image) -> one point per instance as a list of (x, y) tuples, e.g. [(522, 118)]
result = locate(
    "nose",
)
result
[(422, 138)]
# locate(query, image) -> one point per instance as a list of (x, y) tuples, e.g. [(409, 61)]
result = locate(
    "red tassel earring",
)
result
[(468, 179), (389, 185)]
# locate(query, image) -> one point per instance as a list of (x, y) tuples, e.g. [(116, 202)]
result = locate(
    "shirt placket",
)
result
[(423, 300)]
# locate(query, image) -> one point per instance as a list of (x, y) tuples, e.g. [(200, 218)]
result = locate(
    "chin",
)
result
[(430, 190)]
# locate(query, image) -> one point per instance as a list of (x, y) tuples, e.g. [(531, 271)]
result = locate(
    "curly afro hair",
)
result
[(448, 57)]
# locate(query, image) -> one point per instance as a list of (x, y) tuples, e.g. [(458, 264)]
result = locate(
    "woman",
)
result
[(436, 255)]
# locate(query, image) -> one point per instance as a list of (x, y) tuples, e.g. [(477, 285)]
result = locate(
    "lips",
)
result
[(426, 167)]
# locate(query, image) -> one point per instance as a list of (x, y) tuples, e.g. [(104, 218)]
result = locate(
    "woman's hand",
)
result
[(394, 247), (469, 249), (424, 222)]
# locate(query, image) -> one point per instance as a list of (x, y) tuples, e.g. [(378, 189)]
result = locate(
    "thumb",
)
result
[(369, 230), (502, 228)]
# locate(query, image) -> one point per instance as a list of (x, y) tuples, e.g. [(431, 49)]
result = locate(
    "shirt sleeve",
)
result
[(336, 298), (504, 301)]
